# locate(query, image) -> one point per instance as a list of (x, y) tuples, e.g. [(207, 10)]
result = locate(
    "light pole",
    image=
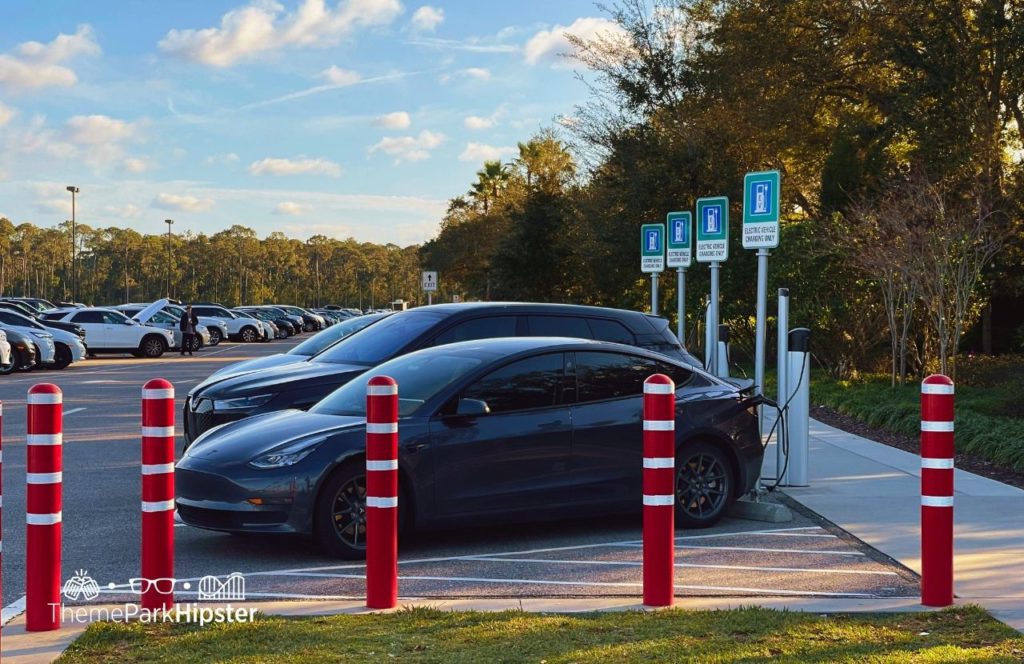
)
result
[(74, 266), (169, 222)]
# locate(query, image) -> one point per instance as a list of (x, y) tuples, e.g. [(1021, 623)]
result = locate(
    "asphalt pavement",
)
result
[(808, 557)]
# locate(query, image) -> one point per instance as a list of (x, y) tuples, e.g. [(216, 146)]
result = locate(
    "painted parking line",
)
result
[(74, 410), (636, 563), (636, 545), (12, 611)]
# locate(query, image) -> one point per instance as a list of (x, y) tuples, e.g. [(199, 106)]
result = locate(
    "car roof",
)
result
[(636, 320), (514, 345)]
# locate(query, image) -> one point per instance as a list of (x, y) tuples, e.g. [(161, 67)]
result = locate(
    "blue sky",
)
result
[(355, 118)]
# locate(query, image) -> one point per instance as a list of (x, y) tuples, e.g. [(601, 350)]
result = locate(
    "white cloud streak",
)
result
[(480, 152), (290, 208), (396, 120), (409, 148), (300, 166), (182, 203)]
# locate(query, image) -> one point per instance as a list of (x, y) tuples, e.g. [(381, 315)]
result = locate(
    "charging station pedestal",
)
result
[(723, 351), (798, 388)]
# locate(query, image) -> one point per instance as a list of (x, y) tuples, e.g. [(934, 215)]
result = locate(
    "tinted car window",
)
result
[(611, 375), (478, 328), (89, 317), (205, 311), (530, 383), (679, 375), (114, 318), (558, 326), (610, 330), (382, 340)]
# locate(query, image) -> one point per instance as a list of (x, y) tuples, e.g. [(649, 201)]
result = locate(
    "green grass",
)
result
[(988, 418), (964, 634)]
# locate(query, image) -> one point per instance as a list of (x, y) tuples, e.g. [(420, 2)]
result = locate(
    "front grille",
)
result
[(198, 417), (228, 519)]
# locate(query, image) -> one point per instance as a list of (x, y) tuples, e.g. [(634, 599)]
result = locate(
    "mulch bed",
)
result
[(969, 462)]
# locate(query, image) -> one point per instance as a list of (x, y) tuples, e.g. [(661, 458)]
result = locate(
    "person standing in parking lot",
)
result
[(187, 325)]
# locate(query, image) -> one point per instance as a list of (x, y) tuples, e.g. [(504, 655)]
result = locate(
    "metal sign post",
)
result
[(430, 285), (652, 257), (713, 247), (761, 231), (678, 255)]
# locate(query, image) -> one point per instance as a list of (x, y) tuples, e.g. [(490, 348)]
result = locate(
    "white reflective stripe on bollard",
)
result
[(937, 501), (659, 462), (44, 439), (43, 478), (43, 519), (390, 464), (936, 427), (158, 432), (157, 505), (157, 468), (166, 393), (937, 464), (45, 398), (389, 427), (659, 388), (373, 501), (659, 425), (659, 501), (381, 390), (929, 388)]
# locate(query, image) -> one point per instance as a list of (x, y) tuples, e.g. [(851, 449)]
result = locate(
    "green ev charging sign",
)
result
[(652, 248), (712, 229), (761, 210), (680, 241)]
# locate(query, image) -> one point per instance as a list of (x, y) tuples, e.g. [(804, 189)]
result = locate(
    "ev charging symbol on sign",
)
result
[(761, 210), (430, 282), (679, 245), (712, 229), (652, 248)]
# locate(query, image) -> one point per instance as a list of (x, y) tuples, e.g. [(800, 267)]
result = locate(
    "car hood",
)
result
[(242, 440), (150, 310), (276, 379), (248, 366)]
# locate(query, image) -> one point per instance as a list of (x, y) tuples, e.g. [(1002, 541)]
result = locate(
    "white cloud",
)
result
[(34, 65), (224, 159), (290, 208), (477, 123), (426, 19), (264, 26), (335, 75), (138, 164), (6, 113), (409, 148), (98, 129), (55, 206), (551, 47), (127, 211), (182, 203), (479, 152), (478, 73), (301, 166), (397, 120)]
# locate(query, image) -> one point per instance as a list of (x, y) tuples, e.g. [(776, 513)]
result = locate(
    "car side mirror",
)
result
[(129, 322), (472, 408)]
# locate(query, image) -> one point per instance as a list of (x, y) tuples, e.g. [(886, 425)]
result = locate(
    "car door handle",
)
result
[(412, 448), (551, 425)]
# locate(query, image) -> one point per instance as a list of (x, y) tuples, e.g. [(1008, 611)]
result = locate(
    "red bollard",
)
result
[(44, 465), (937, 491), (1, 491), (158, 494), (659, 490), (381, 493)]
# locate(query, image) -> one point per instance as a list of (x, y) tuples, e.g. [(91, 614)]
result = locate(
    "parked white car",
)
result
[(239, 328), (110, 331), (67, 347), (155, 316), (210, 323)]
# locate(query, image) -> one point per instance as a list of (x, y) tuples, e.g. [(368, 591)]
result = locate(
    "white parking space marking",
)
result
[(73, 411), (637, 563), (12, 611), (634, 545)]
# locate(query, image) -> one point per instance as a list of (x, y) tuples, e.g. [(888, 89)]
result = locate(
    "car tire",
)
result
[(215, 336), (152, 346), (345, 489), (705, 484), (62, 357), (9, 368), (248, 334), (284, 333)]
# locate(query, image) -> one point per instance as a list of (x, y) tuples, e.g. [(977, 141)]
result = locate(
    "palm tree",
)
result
[(490, 181)]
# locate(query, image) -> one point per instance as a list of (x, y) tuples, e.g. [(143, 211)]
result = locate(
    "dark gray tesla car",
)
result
[(507, 429)]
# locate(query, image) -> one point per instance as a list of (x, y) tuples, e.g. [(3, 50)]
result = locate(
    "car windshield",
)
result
[(320, 341), (380, 342), (420, 377), (118, 315)]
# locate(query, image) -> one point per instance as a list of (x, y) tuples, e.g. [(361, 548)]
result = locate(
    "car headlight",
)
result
[(241, 403), (40, 335), (287, 455)]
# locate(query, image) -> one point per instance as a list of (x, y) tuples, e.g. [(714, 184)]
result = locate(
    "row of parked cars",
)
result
[(507, 412), (35, 332)]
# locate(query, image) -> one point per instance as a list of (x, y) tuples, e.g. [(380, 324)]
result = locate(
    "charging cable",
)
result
[(782, 438)]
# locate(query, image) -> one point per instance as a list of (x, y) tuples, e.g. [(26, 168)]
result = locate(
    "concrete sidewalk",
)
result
[(873, 491)]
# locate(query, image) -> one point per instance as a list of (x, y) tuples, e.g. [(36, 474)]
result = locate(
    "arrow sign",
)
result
[(652, 248), (430, 282), (680, 239)]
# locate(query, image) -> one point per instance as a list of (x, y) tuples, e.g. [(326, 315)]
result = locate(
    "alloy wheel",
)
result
[(349, 512), (702, 486)]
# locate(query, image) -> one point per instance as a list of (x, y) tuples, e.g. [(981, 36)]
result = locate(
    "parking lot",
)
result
[(580, 558)]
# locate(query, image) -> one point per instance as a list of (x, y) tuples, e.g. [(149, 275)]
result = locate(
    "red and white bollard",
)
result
[(381, 493), (659, 543), (44, 465), (158, 494), (937, 454), (1, 491)]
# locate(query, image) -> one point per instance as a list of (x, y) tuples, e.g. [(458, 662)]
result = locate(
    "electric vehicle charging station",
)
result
[(797, 406), (723, 351)]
